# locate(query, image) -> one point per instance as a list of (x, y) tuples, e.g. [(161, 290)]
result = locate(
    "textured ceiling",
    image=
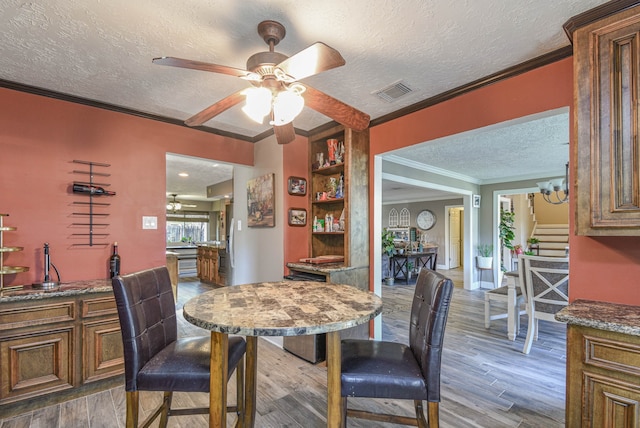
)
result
[(102, 50)]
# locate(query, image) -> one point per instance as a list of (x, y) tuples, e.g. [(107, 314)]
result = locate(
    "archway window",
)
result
[(405, 218), (393, 218)]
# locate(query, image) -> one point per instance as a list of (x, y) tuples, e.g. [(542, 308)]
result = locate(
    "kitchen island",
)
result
[(58, 344)]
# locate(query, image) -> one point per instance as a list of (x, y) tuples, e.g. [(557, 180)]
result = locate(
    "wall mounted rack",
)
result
[(90, 210)]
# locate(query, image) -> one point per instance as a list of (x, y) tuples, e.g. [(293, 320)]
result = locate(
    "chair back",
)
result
[(147, 313), (546, 283), (429, 313)]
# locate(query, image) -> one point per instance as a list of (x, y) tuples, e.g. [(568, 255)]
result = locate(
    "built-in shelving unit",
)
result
[(349, 206), (90, 210), (7, 270)]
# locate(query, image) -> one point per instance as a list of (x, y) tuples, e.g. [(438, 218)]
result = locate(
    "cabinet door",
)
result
[(102, 352), (36, 363), (607, 85)]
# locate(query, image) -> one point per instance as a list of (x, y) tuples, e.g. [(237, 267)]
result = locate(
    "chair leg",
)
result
[(344, 412), (166, 408), (240, 392), (420, 419), (433, 414), (132, 409), (530, 334)]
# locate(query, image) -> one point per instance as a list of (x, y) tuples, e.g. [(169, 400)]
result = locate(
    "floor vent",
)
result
[(393, 91)]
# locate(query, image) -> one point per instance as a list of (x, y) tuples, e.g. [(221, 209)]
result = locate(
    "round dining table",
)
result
[(286, 308)]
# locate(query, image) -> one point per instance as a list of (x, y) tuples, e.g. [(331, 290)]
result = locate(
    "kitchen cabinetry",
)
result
[(208, 263), (58, 345), (607, 87), (603, 364), (348, 237)]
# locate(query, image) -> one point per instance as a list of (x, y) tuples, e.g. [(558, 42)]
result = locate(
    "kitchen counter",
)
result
[(74, 288), (319, 267), (605, 316)]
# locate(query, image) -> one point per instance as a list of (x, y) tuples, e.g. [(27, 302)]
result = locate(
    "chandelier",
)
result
[(174, 205), (551, 189), (286, 103)]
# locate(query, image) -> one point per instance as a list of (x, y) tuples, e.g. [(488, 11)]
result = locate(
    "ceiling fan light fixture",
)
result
[(258, 103), (550, 190), (287, 105), (174, 205)]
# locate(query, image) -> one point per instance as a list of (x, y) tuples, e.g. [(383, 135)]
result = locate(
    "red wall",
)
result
[(39, 137), (295, 163), (605, 269)]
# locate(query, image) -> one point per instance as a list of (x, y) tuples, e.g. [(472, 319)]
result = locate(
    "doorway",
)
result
[(454, 233)]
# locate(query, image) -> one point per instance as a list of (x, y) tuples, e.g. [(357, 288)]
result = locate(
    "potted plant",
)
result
[(506, 233), (517, 249), (533, 243), (485, 256), (388, 248)]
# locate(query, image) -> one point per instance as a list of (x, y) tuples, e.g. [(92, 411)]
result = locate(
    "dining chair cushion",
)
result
[(372, 368), (184, 365)]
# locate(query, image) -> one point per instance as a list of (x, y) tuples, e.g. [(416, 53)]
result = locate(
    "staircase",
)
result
[(554, 238)]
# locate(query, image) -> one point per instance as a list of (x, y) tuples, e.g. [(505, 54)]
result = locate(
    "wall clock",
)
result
[(426, 219)]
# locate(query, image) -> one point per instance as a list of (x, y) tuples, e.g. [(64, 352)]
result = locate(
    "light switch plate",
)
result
[(239, 225), (149, 222)]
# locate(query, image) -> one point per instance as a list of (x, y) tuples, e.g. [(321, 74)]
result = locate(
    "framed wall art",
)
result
[(297, 186), (297, 217), (261, 201), (475, 201)]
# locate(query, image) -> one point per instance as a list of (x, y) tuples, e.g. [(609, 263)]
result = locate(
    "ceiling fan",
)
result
[(276, 91)]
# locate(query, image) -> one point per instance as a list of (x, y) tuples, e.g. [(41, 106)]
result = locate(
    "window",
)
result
[(187, 226)]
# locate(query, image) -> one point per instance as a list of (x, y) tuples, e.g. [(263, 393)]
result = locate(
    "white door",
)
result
[(454, 238)]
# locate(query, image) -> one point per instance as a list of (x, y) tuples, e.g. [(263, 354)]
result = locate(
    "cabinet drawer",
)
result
[(35, 364), (36, 315), (99, 307), (611, 354)]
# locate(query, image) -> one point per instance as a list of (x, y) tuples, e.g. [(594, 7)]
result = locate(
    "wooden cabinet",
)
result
[(607, 89), (57, 348), (208, 263), (603, 378), (350, 201)]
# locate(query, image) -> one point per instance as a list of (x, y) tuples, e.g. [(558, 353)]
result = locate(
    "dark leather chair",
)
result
[(378, 369), (155, 359)]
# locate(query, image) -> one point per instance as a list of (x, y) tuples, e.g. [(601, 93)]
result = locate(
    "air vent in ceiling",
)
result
[(393, 91)]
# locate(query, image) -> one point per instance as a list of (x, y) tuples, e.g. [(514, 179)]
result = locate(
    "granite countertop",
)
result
[(319, 267), (66, 289), (286, 308), (603, 316)]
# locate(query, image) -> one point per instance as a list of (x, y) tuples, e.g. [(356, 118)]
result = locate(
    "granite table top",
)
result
[(287, 308), (74, 288), (603, 316), (320, 267)]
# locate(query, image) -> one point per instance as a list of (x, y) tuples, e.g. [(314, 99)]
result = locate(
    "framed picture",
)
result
[(297, 186), (297, 217), (261, 201), (475, 201)]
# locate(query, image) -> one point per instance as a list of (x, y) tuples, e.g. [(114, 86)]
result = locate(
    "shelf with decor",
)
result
[(5, 269), (338, 159)]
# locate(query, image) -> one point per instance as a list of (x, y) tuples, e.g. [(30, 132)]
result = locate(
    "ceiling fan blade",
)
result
[(215, 109), (335, 109), (205, 66), (312, 60), (285, 133)]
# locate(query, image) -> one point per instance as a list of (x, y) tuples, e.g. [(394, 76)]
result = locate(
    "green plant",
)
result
[(485, 250), (506, 229), (529, 253), (533, 241), (387, 242)]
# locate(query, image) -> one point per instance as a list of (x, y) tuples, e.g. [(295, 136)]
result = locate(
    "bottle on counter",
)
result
[(93, 190), (114, 262)]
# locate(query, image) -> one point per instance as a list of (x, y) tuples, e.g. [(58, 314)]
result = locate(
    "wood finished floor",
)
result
[(486, 380)]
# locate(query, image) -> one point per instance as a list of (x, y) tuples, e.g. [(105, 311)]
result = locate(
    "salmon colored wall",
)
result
[(295, 163), (604, 269), (40, 136)]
